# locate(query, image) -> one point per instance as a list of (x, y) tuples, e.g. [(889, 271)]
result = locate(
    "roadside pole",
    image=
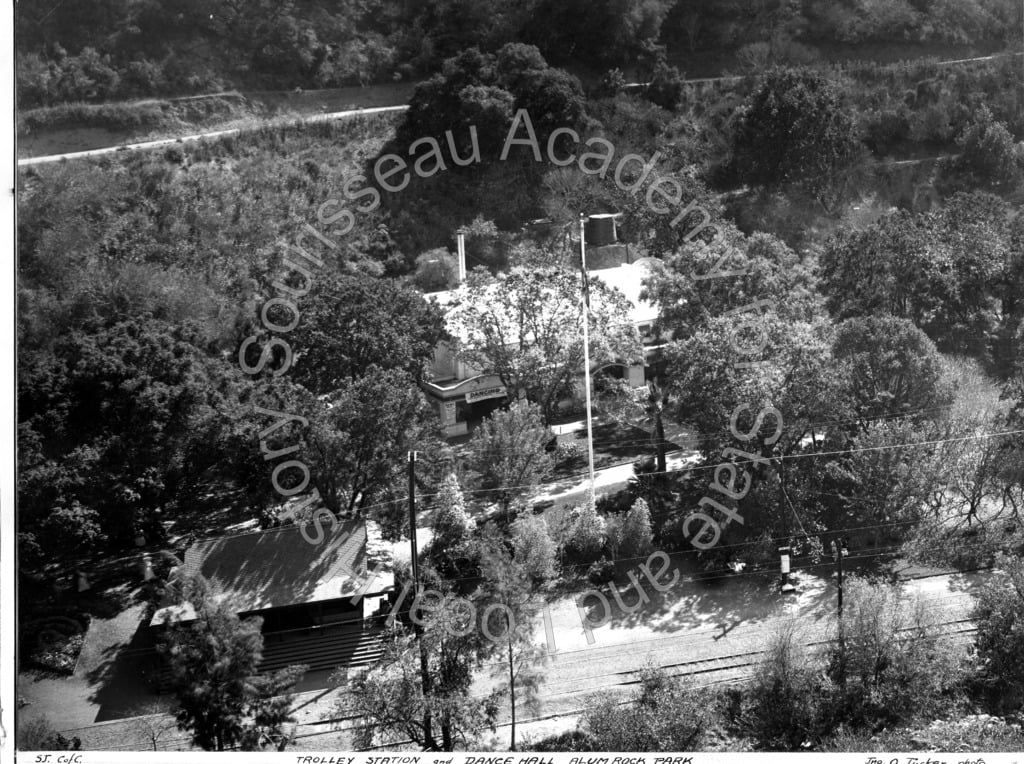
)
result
[(839, 551), (418, 628), (586, 353)]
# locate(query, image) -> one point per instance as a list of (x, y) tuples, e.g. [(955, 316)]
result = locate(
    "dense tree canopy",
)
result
[(123, 421), (525, 326), (955, 273), (795, 131), (351, 323)]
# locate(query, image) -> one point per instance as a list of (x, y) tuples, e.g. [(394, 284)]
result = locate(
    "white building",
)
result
[(462, 393)]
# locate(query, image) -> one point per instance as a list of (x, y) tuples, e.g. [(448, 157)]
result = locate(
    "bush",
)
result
[(601, 572), (785, 697), (971, 734), (892, 665), (39, 735), (664, 715), (53, 642), (637, 536), (989, 153), (612, 83), (587, 534), (534, 547), (615, 503), (1000, 638), (568, 453), (666, 87)]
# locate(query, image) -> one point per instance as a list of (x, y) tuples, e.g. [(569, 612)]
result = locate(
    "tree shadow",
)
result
[(714, 605), (121, 680), (970, 582)]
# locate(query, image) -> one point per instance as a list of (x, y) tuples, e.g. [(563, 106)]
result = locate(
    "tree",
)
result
[(1000, 639), (436, 270), (507, 584), (587, 536), (119, 424), (795, 131), (270, 711), (154, 723), (666, 86), (611, 31), (636, 530), (891, 267), (534, 548), (213, 661), (663, 715), (509, 452), (988, 155), (452, 524), (357, 438), (484, 91), (351, 323), (689, 294), (419, 690), (954, 273), (526, 327), (891, 368), (972, 461), (882, 482)]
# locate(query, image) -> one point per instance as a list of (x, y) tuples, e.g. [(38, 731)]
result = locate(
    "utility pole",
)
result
[(839, 551), (428, 734), (412, 522), (586, 351), (786, 550)]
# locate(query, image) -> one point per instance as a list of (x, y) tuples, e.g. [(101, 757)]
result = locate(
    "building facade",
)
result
[(463, 394)]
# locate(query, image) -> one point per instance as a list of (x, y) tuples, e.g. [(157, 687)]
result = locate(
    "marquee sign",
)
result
[(488, 392)]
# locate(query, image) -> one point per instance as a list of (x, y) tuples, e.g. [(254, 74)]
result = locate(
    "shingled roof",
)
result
[(279, 567)]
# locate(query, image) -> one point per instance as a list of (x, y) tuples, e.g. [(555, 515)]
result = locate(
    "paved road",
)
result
[(199, 136), (355, 112), (709, 631)]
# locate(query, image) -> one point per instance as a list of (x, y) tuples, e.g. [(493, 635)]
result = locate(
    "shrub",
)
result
[(637, 536), (666, 87), (534, 548), (53, 642), (891, 664), (786, 693), (971, 734), (615, 503), (989, 153), (1000, 638), (587, 535), (612, 83), (568, 452), (664, 715), (601, 572), (74, 527), (39, 735)]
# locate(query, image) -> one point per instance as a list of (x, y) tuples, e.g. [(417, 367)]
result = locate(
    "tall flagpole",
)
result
[(586, 354)]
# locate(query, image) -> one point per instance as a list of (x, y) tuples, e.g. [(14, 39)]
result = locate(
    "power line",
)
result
[(784, 457)]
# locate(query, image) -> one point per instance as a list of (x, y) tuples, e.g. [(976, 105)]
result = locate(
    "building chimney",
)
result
[(462, 257)]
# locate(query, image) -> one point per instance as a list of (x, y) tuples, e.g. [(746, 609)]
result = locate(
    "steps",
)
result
[(322, 648)]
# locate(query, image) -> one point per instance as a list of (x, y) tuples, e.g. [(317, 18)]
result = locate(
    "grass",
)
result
[(133, 116)]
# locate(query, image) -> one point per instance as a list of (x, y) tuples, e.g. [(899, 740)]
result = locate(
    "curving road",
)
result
[(198, 136), (362, 112)]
